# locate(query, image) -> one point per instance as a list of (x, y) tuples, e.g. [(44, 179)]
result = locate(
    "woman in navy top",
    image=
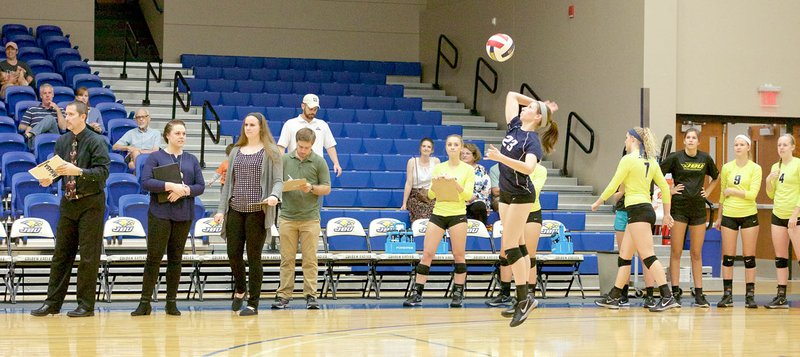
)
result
[(168, 223), (520, 152)]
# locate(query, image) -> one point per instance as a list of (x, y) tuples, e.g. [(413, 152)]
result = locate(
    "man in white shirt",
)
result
[(307, 119)]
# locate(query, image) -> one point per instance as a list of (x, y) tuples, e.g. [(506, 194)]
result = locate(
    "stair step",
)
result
[(441, 105)]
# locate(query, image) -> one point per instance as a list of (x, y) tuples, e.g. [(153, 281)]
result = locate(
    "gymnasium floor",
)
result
[(369, 327)]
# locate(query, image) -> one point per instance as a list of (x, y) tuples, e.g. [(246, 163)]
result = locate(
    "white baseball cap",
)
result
[(311, 101)]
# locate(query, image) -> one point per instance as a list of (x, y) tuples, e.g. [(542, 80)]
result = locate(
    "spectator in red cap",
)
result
[(13, 72)]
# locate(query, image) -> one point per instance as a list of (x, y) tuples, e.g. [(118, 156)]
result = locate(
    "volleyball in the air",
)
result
[(500, 47)]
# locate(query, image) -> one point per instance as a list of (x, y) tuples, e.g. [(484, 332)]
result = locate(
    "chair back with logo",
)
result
[(560, 238), (119, 227), (33, 232), (346, 234), (419, 228), (478, 238)]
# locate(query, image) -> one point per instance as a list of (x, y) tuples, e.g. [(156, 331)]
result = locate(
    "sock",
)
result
[(664, 290), (615, 293), (505, 288), (419, 288), (625, 290), (727, 286), (676, 289), (750, 289), (458, 289), (782, 290), (649, 291), (698, 291), (522, 292)]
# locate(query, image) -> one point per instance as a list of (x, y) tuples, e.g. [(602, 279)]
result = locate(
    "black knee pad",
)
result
[(749, 262), (460, 268), (533, 261), (503, 262), (781, 263), (649, 261), (513, 255), (523, 249), (423, 269), (623, 262), (727, 260)]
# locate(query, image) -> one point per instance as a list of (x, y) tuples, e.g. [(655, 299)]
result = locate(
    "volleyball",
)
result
[(500, 47)]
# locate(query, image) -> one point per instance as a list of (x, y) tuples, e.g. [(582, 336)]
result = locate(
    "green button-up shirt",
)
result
[(297, 205)]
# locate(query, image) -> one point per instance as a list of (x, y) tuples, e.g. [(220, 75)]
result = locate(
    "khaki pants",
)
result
[(307, 234)]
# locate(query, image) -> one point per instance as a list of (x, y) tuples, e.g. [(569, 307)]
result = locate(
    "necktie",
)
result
[(71, 191)]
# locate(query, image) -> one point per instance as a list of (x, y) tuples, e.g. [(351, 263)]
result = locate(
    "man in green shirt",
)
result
[(299, 217)]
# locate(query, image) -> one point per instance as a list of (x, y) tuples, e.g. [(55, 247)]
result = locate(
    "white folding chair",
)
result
[(347, 241), (35, 243), (390, 264), (125, 254)]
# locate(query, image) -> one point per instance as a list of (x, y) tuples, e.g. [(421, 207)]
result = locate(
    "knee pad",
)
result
[(623, 262), (649, 261), (749, 262), (523, 249), (533, 261), (503, 262), (460, 268), (423, 269), (727, 260), (781, 263), (513, 255)]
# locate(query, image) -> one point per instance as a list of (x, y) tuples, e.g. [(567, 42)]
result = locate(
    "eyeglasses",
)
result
[(142, 116)]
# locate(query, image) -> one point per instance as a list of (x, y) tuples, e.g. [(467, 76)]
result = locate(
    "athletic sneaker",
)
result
[(248, 311), (311, 303), (624, 301), (608, 302), (665, 303), (414, 300), (750, 302), (522, 310), (779, 302), (677, 295), (458, 300), (509, 312), (727, 301), (649, 302), (500, 300), (700, 301), (280, 303)]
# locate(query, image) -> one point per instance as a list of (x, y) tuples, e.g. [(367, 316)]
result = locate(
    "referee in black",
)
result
[(82, 207)]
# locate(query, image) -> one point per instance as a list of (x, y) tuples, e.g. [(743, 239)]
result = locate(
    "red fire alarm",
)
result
[(571, 11)]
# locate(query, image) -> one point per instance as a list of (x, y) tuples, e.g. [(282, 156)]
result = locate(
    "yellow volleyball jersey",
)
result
[(538, 177), (465, 176), (637, 173), (747, 179), (786, 188)]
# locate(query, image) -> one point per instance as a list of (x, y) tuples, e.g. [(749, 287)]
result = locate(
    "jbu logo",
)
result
[(123, 226), (121, 229), (212, 227), (31, 227), (473, 228), (344, 226), (385, 226)]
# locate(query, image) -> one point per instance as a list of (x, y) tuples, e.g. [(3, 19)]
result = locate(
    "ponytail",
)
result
[(648, 143), (550, 136)]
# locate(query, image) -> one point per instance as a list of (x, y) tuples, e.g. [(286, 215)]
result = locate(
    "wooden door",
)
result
[(764, 152), (712, 141)]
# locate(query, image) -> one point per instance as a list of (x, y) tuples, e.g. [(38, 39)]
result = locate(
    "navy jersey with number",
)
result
[(516, 145)]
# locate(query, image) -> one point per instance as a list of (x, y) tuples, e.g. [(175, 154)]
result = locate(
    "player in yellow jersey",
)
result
[(783, 186), (448, 216), (637, 171), (740, 181)]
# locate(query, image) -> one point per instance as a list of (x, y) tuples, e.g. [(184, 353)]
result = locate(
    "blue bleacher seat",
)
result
[(329, 65), (44, 206), (118, 185), (243, 111), (341, 115), (399, 215), (326, 214), (369, 116), (64, 55), (14, 162), (303, 64), (378, 146), (22, 40), (63, 94), (334, 89), (337, 129), (410, 104), (278, 87), (290, 100), (101, 95), (263, 74), (15, 29), (364, 216), (220, 85), (388, 180), (224, 112), (249, 86), (111, 111), (418, 131), (399, 117), (190, 61), (7, 125), (207, 72), (380, 103), (356, 66), (341, 198), (574, 221), (291, 75), (593, 241), (352, 102), (230, 127), (328, 101), (135, 206), (306, 87), (357, 130), (117, 164), (395, 162), (43, 31), (52, 43), (388, 131), (118, 127), (443, 131), (199, 97), (222, 61), (276, 63), (44, 145), (22, 185), (249, 62), (381, 67), (22, 106), (16, 94), (375, 198), (548, 199), (344, 160), (427, 117), (86, 80), (195, 84), (349, 145), (363, 90), (406, 146), (234, 99), (54, 79), (346, 77), (71, 68), (41, 66), (351, 179), (264, 99), (407, 69), (3, 111), (372, 78), (366, 162), (234, 73), (319, 76), (27, 54), (280, 113)]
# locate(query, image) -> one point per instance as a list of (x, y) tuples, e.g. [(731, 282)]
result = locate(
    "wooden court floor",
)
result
[(379, 329)]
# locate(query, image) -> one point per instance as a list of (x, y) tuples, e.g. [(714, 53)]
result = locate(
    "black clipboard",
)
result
[(167, 173)]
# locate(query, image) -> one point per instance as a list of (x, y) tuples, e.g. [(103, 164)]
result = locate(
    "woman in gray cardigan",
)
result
[(252, 189)]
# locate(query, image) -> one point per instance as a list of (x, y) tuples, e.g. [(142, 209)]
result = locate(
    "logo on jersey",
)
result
[(509, 142), (694, 166)]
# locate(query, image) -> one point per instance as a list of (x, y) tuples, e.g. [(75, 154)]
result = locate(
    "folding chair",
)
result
[(126, 241), (480, 257), (348, 241), (391, 264), (567, 265)]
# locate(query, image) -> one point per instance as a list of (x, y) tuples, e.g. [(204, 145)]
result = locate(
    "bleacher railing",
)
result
[(439, 55), (478, 78), (571, 135), (666, 147), (133, 49), (208, 108), (176, 95), (157, 77)]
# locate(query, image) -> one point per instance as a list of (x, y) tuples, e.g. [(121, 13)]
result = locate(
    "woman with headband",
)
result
[(518, 157), (637, 171), (783, 186), (689, 168), (740, 182)]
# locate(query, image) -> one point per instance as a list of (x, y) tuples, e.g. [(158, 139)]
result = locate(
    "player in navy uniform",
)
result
[(518, 157)]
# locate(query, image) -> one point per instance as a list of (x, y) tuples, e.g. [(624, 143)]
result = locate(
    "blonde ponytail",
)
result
[(648, 142), (550, 136)]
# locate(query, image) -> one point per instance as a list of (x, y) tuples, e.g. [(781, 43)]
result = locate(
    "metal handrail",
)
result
[(208, 108), (440, 55), (666, 147), (478, 78), (525, 86), (157, 77), (710, 214), (176, 96), (571, 135), (133, 49)]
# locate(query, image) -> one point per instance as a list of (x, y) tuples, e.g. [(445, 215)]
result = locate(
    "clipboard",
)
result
[(47, 169), (292, 185), (446, 190), (167, 173)]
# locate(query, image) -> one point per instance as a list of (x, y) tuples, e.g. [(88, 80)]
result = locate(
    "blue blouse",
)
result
[(182, 209)]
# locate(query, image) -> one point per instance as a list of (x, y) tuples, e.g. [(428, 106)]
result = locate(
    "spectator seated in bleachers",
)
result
[(14, 71), (43, 118), (141, 140), (94, 120)]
